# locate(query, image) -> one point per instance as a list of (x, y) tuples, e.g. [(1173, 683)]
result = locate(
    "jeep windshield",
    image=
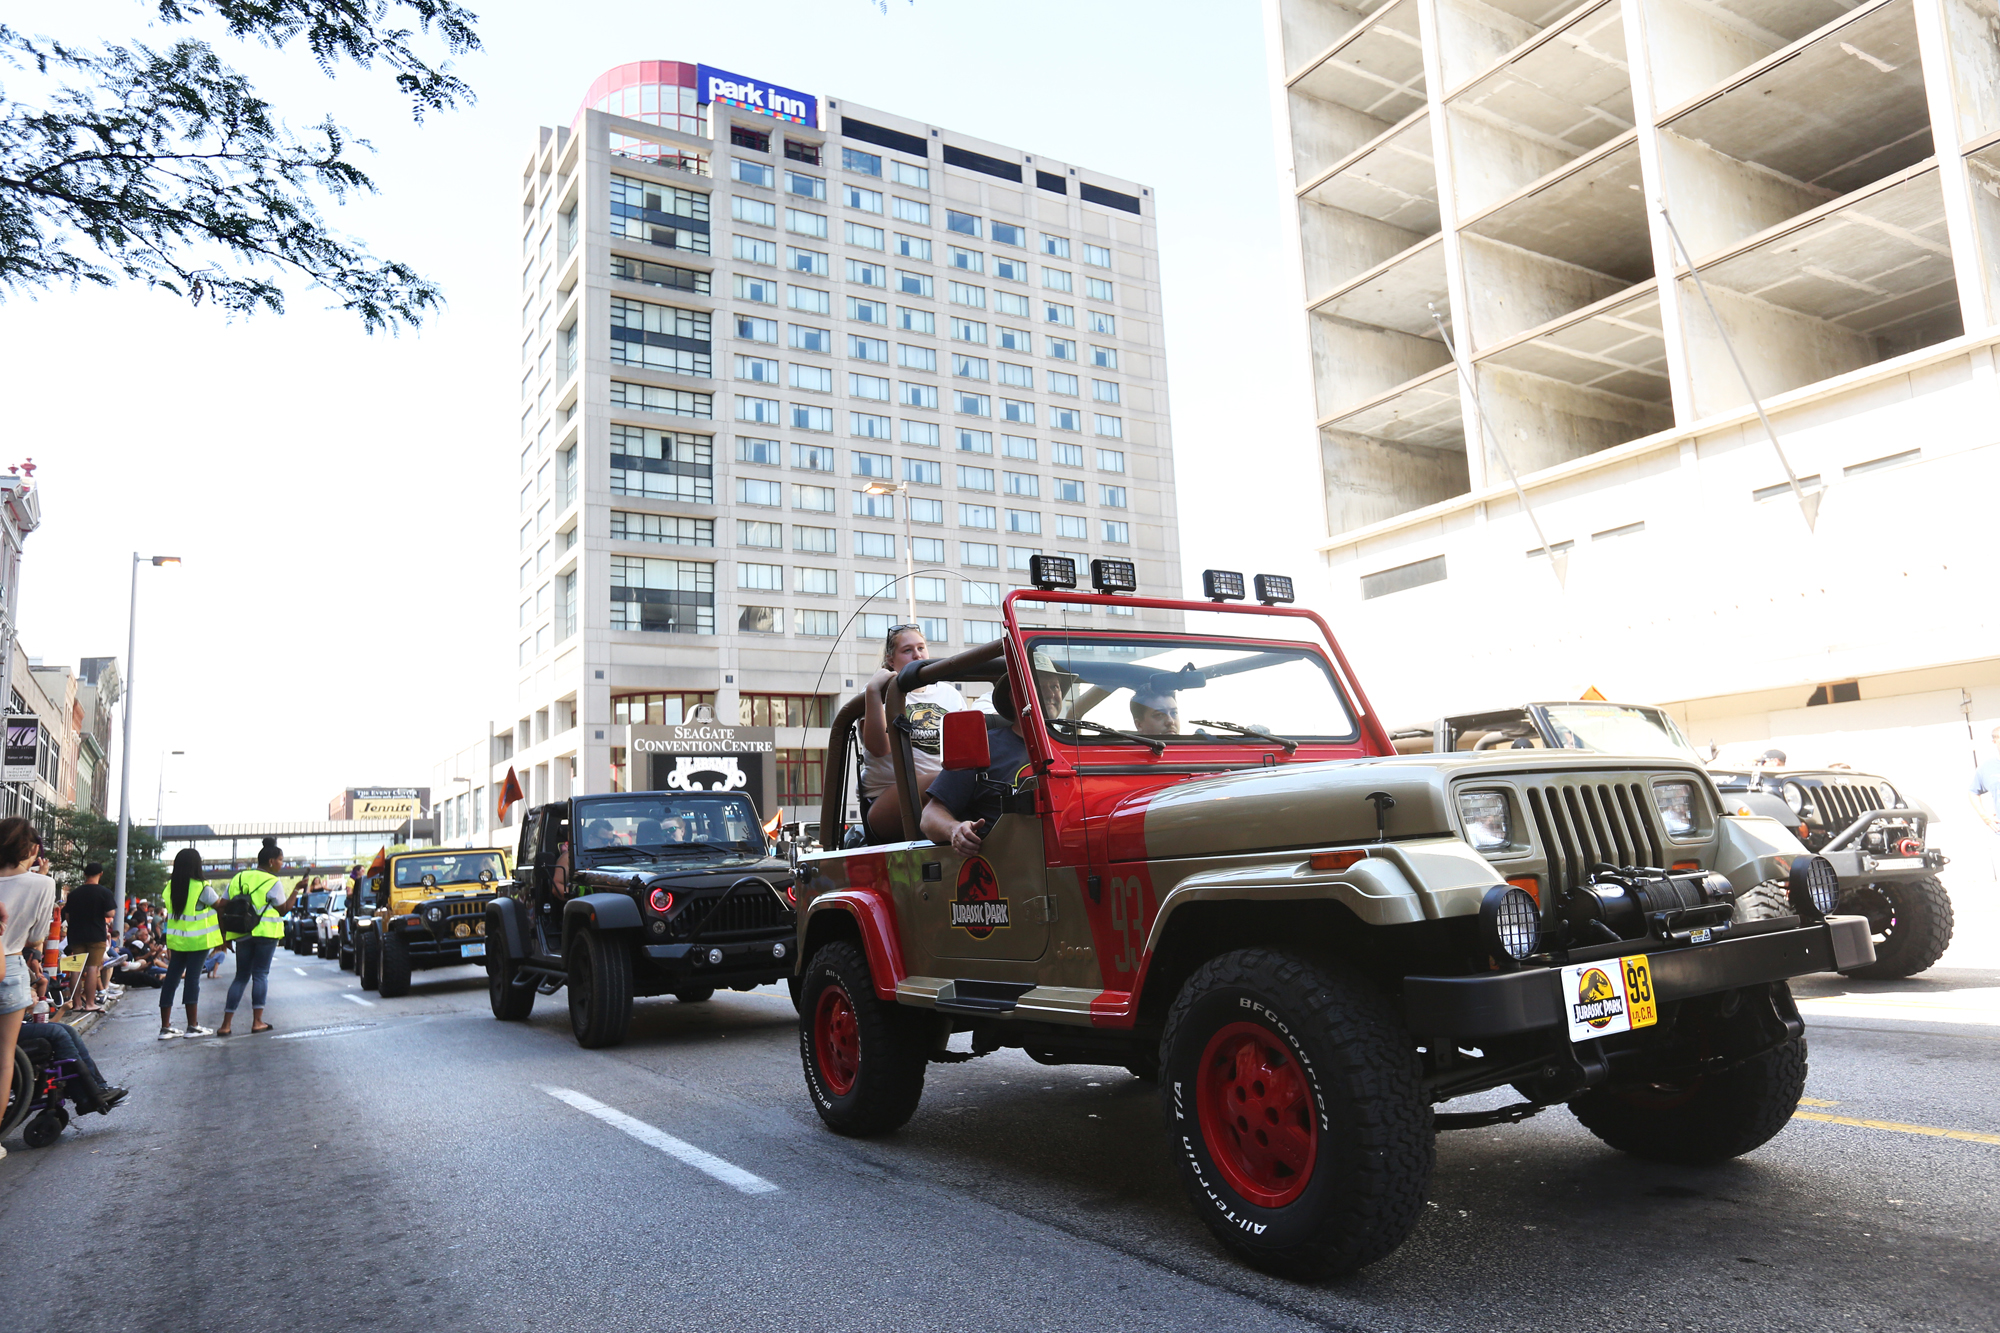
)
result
[(1616, 729), (1187, 691), (667, 827), (447, 868)]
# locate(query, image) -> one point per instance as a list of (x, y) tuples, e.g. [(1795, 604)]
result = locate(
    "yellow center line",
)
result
[(1930, 1131)]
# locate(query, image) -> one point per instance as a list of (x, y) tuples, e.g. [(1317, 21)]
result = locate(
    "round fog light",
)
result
[(1510, 922), (715, 955), (777, 951), (461, 930), (1813, 887)]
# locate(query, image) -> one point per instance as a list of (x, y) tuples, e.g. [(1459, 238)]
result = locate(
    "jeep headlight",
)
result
[(435, 915), (1891, 798), (1676, 803), (1488, 826), (1795, 796)]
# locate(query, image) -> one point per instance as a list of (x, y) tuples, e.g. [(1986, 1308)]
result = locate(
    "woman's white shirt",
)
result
[(925, 708)]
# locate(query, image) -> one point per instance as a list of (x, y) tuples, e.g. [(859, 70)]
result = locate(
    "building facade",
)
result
[(794, 370), (1549, 179)]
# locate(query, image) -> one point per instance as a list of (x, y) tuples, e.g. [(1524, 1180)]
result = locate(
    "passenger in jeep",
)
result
[(963, 804), (1156, 714)]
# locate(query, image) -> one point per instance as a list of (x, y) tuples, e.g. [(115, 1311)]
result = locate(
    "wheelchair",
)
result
[(37, 1096)]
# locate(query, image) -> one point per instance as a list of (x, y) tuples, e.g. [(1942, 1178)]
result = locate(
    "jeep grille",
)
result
[(746, 910), (1841, 803), (1581, 823)]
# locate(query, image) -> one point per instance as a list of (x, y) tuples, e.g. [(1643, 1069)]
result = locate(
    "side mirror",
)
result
[(965, 744)]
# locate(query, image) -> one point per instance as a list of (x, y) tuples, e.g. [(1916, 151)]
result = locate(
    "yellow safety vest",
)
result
[(257, 886), (196, 930)]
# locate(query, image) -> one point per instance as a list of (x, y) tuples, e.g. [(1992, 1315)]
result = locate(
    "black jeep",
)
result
[(639, 893)]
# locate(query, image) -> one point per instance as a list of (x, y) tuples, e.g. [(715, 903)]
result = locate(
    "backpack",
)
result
[(237, 914)]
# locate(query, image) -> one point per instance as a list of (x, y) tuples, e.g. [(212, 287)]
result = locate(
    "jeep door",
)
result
[(994, 905)]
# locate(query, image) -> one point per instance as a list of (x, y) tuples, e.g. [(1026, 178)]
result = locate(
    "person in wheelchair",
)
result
[(85, 1084)]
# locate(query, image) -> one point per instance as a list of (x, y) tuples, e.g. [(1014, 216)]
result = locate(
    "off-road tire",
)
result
[(393, 968), (600, 989), (1763, 903), (368, 961), (694, 994), (326, 949), (1714, 1118), (511, 1003), (1342, 1045), (345, 954), (864, 1069), (1918, 926)]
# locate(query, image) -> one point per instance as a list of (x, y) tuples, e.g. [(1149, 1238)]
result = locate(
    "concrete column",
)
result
[(1430, 28), (1944, 89), (1652, 173)]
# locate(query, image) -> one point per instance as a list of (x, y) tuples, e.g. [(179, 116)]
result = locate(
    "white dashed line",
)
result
[(727, 1172), (350, 995), (300, 970)]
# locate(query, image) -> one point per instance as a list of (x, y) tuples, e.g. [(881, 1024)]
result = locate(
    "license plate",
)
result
[(472, 951), (1609, 997), (1898, 862)]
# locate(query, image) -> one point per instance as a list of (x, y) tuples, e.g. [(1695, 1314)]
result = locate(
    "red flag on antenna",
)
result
[(510, 792)]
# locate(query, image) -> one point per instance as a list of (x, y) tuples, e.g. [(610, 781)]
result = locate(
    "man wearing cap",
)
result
[(964, 803)]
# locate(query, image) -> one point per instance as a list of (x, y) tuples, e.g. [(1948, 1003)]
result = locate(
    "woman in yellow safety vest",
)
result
[(191, 932), (254, 951)]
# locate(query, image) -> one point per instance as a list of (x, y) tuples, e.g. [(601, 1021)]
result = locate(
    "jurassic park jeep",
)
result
[(1211, 868)]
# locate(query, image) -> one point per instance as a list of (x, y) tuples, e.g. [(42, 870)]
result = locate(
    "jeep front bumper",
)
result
[(1499, 1004), (741, 962)]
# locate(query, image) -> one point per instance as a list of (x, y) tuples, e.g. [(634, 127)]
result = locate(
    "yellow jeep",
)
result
[(424, 908)]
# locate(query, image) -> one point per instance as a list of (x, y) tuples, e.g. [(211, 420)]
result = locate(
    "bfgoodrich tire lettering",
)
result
[(1338, 1040), (864, 1058)]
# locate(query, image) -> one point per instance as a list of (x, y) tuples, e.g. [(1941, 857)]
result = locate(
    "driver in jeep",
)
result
[(1156, 714)]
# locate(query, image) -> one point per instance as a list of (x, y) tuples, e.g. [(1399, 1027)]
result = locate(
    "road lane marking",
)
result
[(1930, 1131), (1814, 1101), (350, 995), (300, 970), (322, 1032), (727, 1172)]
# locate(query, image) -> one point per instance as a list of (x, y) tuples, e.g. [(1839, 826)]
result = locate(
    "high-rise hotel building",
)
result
[(776, 350)]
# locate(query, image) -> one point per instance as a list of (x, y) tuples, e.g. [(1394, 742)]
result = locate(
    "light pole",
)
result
[(902, 488), (125, 762), (160, 800)]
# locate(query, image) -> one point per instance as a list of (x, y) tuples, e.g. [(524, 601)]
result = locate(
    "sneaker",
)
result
[(167, 1034), (110, 1097), (199, 1031)]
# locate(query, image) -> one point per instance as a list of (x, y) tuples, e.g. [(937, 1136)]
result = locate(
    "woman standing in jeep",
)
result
[(925, 710)]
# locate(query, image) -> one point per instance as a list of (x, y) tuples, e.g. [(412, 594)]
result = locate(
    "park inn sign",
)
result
[(719, 85)]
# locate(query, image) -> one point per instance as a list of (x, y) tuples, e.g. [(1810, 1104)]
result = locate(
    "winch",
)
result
[(1639, 902)]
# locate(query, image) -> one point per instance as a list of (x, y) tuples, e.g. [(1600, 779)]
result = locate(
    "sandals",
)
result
[(256, 1028)]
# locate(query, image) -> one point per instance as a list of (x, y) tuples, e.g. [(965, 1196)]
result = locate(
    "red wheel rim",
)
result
[(1257, 1115), (836, 1041)]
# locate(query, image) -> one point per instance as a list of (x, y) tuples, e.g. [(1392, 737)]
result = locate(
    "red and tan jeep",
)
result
[(1212, 869)]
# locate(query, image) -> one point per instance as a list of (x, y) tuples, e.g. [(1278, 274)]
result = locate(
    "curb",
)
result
[(85, 1024)]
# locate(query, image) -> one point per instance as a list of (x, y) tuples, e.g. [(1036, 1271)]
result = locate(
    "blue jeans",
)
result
[(182, 963), (63, 1043), (253, 965)]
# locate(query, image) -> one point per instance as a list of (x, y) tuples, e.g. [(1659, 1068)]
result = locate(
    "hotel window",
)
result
[(1018, 556), (1111, 427), (1067, 418), (665, 465), (812, 457), (969, 331), (972, 261), (1013, 340), (757, 491), (1020, 377), (868, 164), (984, 631), (1105, 391), (979, 555), (1118, 534), (919, 395), (1055, 313), (873, 506), (1017, 410), (921, 432), (751, 173), (1006, 233), (1100, 290), (871, 387), (1062, 349), (868, 201), (1012, 303), (813, 499), (1017, 446), (761, 370), (755, 211), (1110, 460), (923, 471), (868, 238), (965, 224), (806, 338), (806, 261), (1104, 358), (764, 578), (975, 478), (816, 624), (761, 290), (809, 300), (1074, 527), (660, 337), (1024, 483), (664, 275), (975, 441), (978, 516), (968, 367), (651, 398), (665, 596), (912, 247), (814, 379), (1096, 255), (811, 418), (751, 329), (817, 541), (867, 312), (1055, 245), (911, 210), (915, 321), (805, 224), (664, 528), (742, 136), (875, 545), (754, 251), (1063, 384), (1103, 323), (1069, 490), (866, 274), (913, 284), (904, 174), (929, 588), (1024, 521), (760, 619), (977, 593), (764, 411), (867, 426), (1056, 280), (911, 357), (973, 404), (926, 511), (750, 532), (965, 294), (643, 211), (800, 151), (804, 186), (927, 550), (1111, 497), (1013, 270)]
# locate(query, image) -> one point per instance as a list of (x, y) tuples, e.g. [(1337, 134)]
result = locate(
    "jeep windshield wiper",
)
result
[(1080, 725), (1291, 746)]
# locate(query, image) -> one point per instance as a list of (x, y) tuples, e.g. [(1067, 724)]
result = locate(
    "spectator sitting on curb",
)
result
[(214, 963)]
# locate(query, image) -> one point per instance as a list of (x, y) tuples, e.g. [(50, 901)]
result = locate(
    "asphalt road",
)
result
[(413, 1164)]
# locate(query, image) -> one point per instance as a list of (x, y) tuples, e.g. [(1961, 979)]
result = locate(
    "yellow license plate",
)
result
[(1640, 1002)]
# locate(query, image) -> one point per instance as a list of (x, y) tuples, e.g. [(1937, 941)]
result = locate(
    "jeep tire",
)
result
[(344, 951), (1912, 923), (864, 1057), (1709, 1119), (393, 967), (1295, 1102), (368, 961), (694, 994), (511, 1003), (600, 989)]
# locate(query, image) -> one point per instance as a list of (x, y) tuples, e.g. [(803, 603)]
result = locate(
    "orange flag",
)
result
[(381, 861), (510, 792)]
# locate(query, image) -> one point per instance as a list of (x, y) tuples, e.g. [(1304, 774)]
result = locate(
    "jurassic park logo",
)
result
[(978, 909)]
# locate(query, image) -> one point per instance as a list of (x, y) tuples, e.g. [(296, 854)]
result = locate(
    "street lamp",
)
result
[(901, 488), (125, 764), (160, 800)]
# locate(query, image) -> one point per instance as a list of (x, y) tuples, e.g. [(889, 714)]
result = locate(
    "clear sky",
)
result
[(344, 502)]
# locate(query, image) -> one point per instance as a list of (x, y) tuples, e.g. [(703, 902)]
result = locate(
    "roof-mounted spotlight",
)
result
[(1051, 572), (1273, 589), (1222, 585), (1114, 576)]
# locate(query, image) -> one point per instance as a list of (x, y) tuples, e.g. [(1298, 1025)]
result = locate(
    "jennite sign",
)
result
[(719, 85)]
